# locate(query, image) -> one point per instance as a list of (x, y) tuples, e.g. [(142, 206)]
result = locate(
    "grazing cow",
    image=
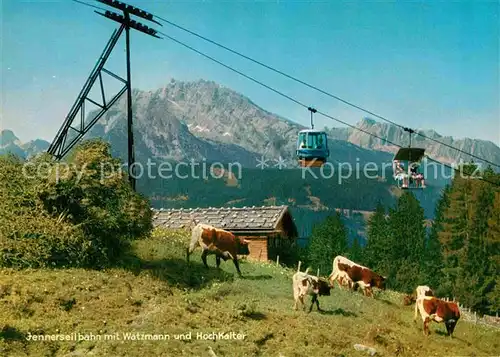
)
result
[(225, 245), (339, 275), (434, 309), (305, 284), (345, 270)]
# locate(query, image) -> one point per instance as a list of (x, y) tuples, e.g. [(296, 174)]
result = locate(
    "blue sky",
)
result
[(422, 64)]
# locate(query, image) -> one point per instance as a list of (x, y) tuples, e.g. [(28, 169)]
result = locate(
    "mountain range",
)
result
[(204, 120), (10, 143)]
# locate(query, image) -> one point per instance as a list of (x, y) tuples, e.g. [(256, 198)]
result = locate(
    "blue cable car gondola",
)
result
[(312, 146)]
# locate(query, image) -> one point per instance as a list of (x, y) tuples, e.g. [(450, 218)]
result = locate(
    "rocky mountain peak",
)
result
[(7, 137), (202, 119)]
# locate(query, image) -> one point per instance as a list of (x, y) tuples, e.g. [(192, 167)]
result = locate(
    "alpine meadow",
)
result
[(249, 179)]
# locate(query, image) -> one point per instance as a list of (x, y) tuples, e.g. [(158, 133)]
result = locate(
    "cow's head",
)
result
[(324, 287), (450, 326), (243, 246)]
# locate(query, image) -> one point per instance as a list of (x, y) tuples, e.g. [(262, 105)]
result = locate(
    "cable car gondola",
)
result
[(409, 177), (312, 146)]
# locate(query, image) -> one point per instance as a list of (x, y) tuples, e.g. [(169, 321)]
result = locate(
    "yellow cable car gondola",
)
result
[(408, 177)]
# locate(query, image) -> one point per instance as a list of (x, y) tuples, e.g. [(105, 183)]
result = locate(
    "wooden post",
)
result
[(475, 317), (278, 260), (318, 272)]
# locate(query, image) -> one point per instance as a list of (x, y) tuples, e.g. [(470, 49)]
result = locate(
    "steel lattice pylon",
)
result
[(76, 126)]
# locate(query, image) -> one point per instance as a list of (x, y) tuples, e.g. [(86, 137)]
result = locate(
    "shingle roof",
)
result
[(264, 218)]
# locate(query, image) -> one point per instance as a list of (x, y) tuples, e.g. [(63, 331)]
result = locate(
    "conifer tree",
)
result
[(407, 230), (378, 248), (454, 236), (356, 251), (469, 241), (328, 239), (432, 264)]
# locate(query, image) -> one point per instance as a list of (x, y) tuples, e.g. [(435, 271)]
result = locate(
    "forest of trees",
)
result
[(458, 255)]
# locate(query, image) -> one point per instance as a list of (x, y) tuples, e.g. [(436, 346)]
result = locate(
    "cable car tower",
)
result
[(409, 177), (76, 124), (312, 146)]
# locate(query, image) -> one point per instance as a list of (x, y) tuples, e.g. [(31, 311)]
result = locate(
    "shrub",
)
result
[(82, 216)]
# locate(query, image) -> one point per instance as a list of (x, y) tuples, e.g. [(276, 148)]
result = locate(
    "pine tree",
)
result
[(356, 251), (328, 240), (478, 267), (493, 237), (492, 245), (407, 230), (470, 242), (455, 235), (432, 264)]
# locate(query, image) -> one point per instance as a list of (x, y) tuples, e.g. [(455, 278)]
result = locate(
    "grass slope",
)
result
[(156, 293)]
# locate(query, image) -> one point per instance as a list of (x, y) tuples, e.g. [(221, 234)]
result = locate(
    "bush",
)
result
[(42, 242), (82, 216)]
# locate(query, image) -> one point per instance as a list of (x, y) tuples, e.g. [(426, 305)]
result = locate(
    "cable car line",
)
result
[(312, 86), (299, 102), (319, 89)]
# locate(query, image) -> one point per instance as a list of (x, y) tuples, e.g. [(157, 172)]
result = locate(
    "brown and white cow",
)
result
[(339, 275), (225, 245), (355, 275), (434, 309), (304, 284)]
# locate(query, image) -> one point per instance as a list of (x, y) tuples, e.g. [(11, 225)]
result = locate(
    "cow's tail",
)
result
[(334, 264), (334, 272)]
